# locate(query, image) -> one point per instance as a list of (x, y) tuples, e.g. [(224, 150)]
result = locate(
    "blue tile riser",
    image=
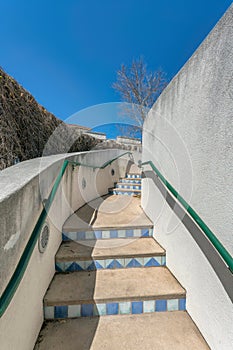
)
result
[(106, 234), (125, 193), (114, 308), (130, 181), (130, 176), (117, 263), (131, 187)]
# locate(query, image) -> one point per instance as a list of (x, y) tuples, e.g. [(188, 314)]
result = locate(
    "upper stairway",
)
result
[(112, 289)]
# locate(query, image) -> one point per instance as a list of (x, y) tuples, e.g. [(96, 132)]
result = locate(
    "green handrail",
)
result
[(211, 236), (17, 276)]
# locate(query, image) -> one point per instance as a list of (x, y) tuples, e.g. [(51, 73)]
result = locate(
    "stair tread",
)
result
[(113, 285), (126, 189), (116, 211), (108, 248), (127, 184), (162, 330)]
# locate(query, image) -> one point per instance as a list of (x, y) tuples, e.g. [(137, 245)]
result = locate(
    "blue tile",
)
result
[(61, 311), (98, 234), (91, 267), (129, 233), (111, 265), (161, 305), (182, 304), (113, 234), (87, 310), (152, 262), (117, 264), (81, 235), (74, 267), (58, 268), (137, 307), (112, 308), (98, 266), (145, 232), (64, 238), (134, 263)]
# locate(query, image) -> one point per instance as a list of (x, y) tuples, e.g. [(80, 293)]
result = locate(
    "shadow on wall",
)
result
[(220, 268)]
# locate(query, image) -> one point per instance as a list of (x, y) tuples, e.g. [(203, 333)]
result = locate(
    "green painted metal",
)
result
[(12, 286), (103, 165), (17, 276), (211, 236)]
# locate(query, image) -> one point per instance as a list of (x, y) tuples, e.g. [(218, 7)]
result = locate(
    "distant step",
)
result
[(129, 180), (128, 192), (109, 254), (106, 233), (113, 292), (149, 331), (130, 186), (133, 176)]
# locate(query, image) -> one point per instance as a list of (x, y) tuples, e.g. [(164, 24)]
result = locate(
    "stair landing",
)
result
[(111, 211), (163, 331)]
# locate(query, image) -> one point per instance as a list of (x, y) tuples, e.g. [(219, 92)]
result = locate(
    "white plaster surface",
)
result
[(22, 189), (189, 136)]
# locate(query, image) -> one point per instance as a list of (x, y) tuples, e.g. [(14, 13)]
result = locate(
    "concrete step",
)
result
[(115, 212), (108, 292), (161, 330), (130, 186), (128, 192), (106, 233), (134, 181), (109, 254)]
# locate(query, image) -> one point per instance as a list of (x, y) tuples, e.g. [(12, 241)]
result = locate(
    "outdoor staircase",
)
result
[(112, 289), (131, 185)]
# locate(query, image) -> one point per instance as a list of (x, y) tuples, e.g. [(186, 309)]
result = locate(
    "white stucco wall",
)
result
[(189, 136), (22, 188)]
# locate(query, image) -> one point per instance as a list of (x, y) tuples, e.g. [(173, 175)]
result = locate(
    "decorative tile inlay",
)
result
[(113, 263), (106, 234), (125, 193), (161, 305), (137, 307), (149, 306), (74, 311), (125, 308), (114, 308)]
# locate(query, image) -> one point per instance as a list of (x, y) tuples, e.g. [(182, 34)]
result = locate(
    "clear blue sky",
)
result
[(66, 53)]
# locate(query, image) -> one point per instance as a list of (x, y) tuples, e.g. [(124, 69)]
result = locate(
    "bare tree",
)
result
[(139, 88)]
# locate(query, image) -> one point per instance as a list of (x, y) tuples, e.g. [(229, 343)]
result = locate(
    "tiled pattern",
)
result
[(105, 234), (115, 308), (119, 263), (132, 186), (132, 181), (125, 193), (133, 176)]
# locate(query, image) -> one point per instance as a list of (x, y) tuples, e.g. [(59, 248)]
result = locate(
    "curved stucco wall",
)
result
[(24, 186), (188, 134)]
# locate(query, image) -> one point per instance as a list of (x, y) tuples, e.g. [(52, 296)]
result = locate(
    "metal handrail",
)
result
[(17, 276), (225, 255)]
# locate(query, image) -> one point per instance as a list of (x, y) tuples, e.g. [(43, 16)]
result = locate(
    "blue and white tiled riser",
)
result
[(133, 176), (124, 193), (131, 187), (106, 234), (132, 181), (91, 265), (116, 308)]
